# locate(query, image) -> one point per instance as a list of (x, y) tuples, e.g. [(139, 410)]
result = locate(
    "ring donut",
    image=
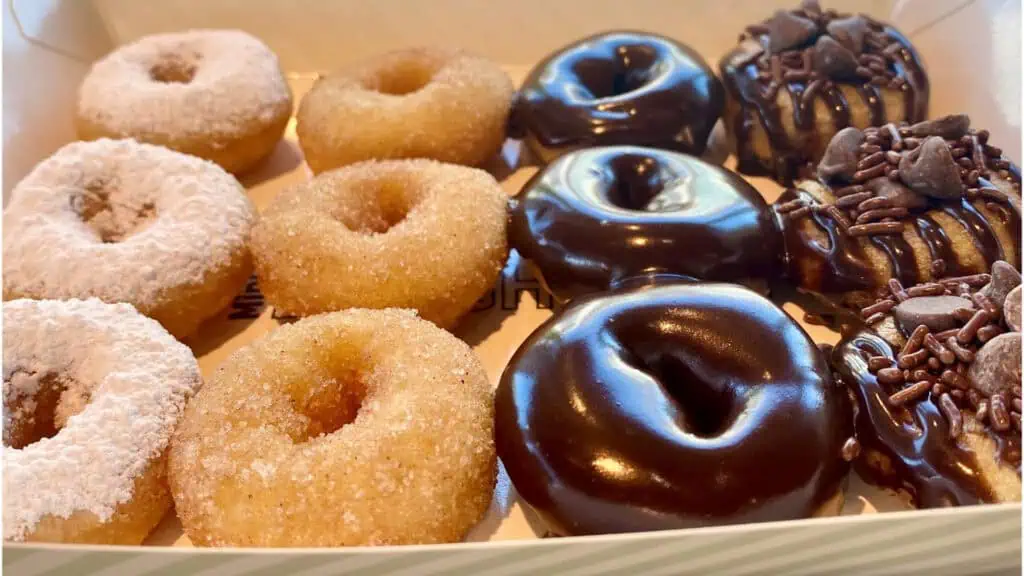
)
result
[(619, 88), (361, 427), (414, 103), (646, 408), (216, 94), (129, 222), (398, 233), (92, 393), (595, 217)]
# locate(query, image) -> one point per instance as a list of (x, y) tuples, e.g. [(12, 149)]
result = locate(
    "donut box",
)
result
[(49, 46)]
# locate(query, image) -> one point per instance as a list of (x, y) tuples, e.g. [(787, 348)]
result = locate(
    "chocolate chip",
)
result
[(1004, 278), (1011, 309), (935, 312), (849, 32), (787, 30), (899, 195), (834, 60), (949, 127), (840, 159), (930, 170), (996, 367)]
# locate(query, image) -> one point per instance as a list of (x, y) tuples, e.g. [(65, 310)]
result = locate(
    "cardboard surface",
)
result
[(54, 41)]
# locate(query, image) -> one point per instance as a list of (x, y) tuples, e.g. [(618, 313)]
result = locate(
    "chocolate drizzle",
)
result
[(754, 75), (619, 88), (981, 232), (647, 409), (940, 249), (889, 192), (901, 256)]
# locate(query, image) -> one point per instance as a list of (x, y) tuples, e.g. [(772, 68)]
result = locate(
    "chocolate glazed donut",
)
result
[(597, 216), (619, 88), (648, 409)]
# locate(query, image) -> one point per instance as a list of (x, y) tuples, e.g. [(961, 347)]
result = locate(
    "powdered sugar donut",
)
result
[(216, 94), (129, 222), (361, 427), (92, 393), (414, 103)]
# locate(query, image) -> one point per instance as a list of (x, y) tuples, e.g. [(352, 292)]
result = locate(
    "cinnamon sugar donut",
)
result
[(352, 428), (413, 103), (398, 233), (129, 222), (216, 94), (92, 393)]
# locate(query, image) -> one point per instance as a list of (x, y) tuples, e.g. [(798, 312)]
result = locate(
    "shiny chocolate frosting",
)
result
[(597, 216), (619, 88), (671, 404)]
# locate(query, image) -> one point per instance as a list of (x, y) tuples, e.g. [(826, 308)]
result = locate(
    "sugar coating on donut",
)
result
[(211, 83), (123, 383), (412, 103), (400, 233), (351, 428), (129, 222)]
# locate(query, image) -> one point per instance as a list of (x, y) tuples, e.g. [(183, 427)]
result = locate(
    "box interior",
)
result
[(971, 50)]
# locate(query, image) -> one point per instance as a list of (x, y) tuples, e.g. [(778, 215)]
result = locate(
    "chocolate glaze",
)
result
[(844, 265), (619, 88), (981, 232), (647, 409), (597, 216), (739, 72), (938, 244), (912, 440)]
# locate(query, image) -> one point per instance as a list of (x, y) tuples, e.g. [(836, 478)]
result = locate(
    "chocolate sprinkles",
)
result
[(936, 364)]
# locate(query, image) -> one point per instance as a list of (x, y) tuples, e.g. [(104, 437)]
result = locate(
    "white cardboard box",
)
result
[(971, 50)]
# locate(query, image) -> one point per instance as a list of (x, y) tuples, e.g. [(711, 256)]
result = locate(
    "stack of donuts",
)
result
[(668, 390)]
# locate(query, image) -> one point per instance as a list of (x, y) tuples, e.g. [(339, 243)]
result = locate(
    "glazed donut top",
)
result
[(121, 221), (122, 382), (198, 83), (620, 88), (648, 408), (620, 211)]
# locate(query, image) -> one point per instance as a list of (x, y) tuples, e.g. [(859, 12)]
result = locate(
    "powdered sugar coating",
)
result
[(426, 102), (237, 81), (414, 234), (134, 378), (176, 230), (351, 428)]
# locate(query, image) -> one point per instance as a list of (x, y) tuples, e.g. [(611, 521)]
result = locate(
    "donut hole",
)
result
[(331, 402), (404, 77), (174, 69), (709, 408), (112, 214), (628, 70), (382, 205), (50, 399), (639, 183)]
